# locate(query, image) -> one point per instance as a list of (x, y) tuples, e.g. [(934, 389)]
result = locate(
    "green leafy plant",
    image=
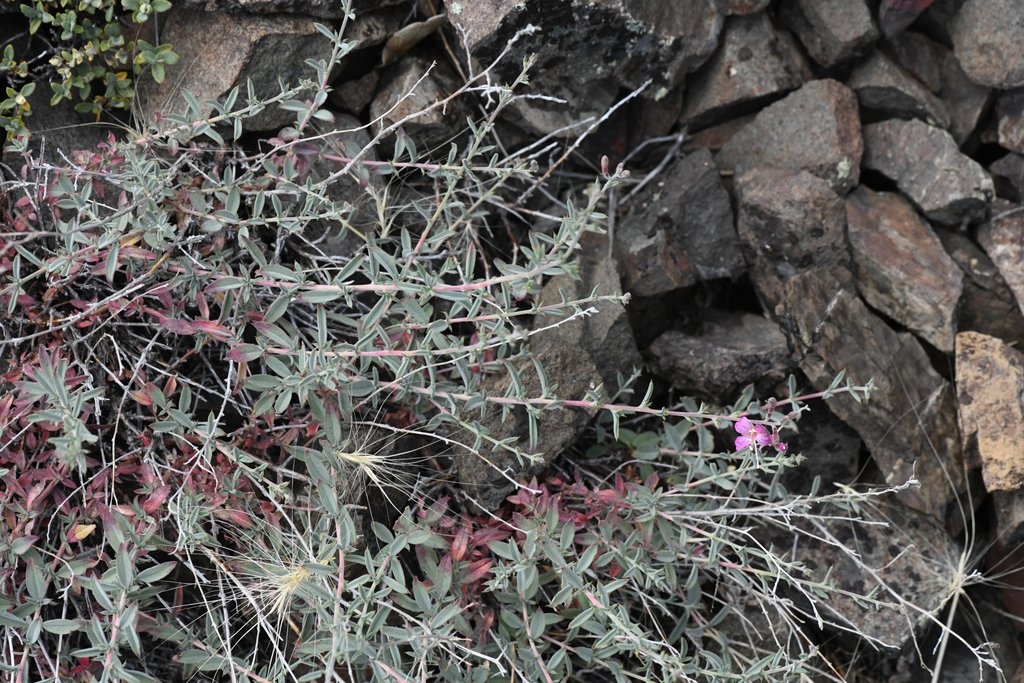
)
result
[(88, 55)]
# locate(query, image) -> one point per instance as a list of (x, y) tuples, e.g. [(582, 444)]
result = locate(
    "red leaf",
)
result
[(214, 329), (156, 499)]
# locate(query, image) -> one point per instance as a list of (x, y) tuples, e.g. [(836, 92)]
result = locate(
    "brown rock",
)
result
[(816, 128), (886, 91), (833, 31), (909, 423), (990, 401), (1002, 238), (750, 66), (987, 306), (1010, 120), (902, 269), (789, 222), (949, 187), (680, 231), (733, 350), (986, 37)]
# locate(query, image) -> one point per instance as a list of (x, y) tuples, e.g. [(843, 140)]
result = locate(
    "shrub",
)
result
[(205, 407)]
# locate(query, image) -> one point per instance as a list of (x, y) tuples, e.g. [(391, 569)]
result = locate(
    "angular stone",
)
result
[(987, 306), (886, 91), (219, 51), (935, 20), (816, 128), (924, 161), (733, 350), (909, 423), (990, 401), (987, 39), (587, 52), (577, 356), (833, 31), (680, 232), (920, 56), (895, 16), (714, 138), (742, 6), (324, 9), (831, 451), (1010, 120), (902, 269), (895, 553), (965, 100), (789, 222), (1008, 175), (751, 66), (1002, 238), (406, 89)]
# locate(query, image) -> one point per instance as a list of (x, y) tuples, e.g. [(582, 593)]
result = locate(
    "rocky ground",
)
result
[(820, 186)]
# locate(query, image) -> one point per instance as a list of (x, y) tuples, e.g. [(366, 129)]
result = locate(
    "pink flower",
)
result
[(750, 434)]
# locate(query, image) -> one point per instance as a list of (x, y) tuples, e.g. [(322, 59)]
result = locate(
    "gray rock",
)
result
[(909, 424), (1010, 120), (935, 20), (587, 52), (733, 350), (1008, 175), (986, 37), (816, 128), (886, 91), (965, 100), (789, 222), (987, 306), (576, 356), (946, 185), (742, 6), (219, 51), (897, 554), (409, 87), (831, 451), (57, 130), (353, 194), (680, 231), (324, 9), (1002, 238), (833, 31), (920, 56), (902, 269), (751, 66)]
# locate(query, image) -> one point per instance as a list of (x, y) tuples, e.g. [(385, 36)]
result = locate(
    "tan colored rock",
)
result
[(990, 396), (1002, 238)]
